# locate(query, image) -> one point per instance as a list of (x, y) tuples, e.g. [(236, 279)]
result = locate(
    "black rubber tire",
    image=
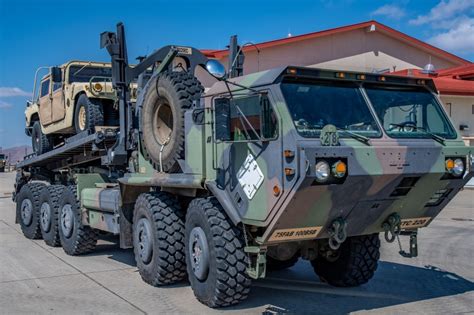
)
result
[(40, 142), (82, 239), (51, 195), (167, 264), (356, 264), (275, 264), (31, 192), (94, 113), (171, 93), (227, 282)]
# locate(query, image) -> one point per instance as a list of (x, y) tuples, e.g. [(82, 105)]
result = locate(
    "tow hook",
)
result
[(392, 227), (413, 245), (337, 233)]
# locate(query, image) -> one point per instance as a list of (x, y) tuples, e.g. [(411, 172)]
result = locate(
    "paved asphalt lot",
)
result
[(35, 278)]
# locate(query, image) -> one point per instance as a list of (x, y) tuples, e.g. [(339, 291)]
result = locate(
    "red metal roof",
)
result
[(378, 27), (449, 81)]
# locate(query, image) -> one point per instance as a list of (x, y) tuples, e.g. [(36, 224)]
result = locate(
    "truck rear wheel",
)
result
[(76, 238), (28, 208), (88, 114), (167, 96), (49, 208), (40, 142), (215, 256), (353, 264), (158, 239)]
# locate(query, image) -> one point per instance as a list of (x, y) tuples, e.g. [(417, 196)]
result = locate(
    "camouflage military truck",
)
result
[(258, 172), (71, 98), (3, 162)]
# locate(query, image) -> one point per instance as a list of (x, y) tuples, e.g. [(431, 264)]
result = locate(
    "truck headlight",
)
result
[(98, 87), (455, 167), (322, 171)]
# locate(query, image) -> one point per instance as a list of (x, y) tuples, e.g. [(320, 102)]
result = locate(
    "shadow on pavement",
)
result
[(298, 290)]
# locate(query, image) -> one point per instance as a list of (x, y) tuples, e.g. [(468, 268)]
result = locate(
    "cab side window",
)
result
[(44, 88)]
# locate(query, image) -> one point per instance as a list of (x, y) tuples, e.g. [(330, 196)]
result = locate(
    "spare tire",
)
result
[(166, 97)]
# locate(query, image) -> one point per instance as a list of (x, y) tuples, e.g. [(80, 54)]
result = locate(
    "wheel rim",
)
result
[(45, 216), (163, 123), (199, 253), (26, 212), (67, 220), (82, 118), (145, 241)]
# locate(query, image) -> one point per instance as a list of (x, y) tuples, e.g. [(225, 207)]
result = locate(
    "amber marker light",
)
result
[(289, 153), (340, 75), (276, 190), (382, 79), (292, 71), (361, 76), (449, 165), (289, 171), (339, 169)]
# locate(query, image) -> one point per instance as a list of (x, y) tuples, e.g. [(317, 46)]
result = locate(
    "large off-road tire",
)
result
[(48, 215), (215, 257), (88, 114), (40, 142), (166, 98), (275, 264), (158, 239), (27, 209), (76, 238), (354, 264)]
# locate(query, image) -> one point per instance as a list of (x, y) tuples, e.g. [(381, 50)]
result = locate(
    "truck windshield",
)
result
[(314, 105), (409, 112), (84, 74)]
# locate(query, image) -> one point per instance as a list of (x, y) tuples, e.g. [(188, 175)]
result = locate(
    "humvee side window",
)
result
[(407, 112), (316, 104), (44, 88)]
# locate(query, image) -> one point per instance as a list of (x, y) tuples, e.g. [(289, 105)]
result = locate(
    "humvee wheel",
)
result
[(76, 238), (166, 97), (28, 207), (49, 209), (158, 239), (215, 256), (354, 263), (40, 142), (88, 114)]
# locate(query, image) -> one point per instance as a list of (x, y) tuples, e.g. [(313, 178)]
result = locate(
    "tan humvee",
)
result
[(71, 98)]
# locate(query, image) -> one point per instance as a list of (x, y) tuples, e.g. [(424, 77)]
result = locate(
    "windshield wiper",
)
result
[(365, 140), (426, 132)]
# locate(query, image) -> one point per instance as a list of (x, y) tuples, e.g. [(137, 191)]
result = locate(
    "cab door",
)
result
[(248, 154), (45, 102), (58, 106)]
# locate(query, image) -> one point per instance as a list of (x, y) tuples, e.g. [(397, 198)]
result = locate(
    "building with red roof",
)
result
[(369, 47)]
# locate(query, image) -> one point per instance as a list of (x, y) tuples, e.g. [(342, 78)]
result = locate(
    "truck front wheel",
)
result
[(158, 239), (215, 256), (76, 238), (353, 264), (27, 209)]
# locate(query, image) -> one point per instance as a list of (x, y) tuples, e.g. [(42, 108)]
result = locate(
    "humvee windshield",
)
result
[(314, 105), (408, 112), (84, 74)]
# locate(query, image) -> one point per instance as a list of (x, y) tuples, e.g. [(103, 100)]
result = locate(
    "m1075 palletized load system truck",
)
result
[(257, 172)]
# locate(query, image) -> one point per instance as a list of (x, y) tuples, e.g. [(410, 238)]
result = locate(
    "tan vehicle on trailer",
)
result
[(72, 98)]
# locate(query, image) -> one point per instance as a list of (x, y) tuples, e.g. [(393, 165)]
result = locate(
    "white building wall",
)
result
[(461, 111)]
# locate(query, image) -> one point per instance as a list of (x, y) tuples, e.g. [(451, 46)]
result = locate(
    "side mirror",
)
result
[(222, 116), (216, 69), (56, 76)]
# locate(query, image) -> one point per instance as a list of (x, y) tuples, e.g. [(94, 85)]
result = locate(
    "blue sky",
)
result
[(47, 32)]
